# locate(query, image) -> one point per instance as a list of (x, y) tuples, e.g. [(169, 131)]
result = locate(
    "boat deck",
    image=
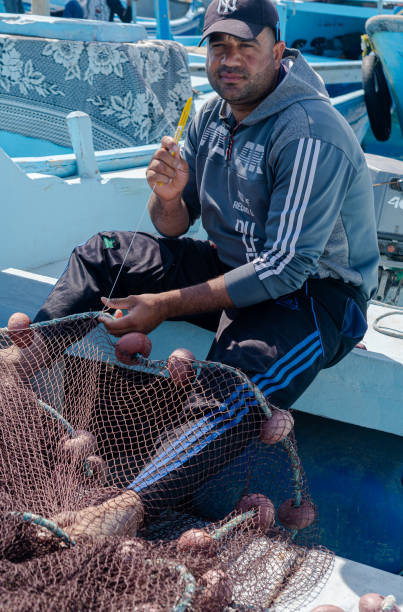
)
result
[(349, 580)]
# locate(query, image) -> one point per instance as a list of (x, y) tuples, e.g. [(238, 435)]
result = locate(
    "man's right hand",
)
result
[(167, 173)]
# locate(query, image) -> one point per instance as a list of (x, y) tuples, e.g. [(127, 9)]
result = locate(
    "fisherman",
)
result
[(285, 196)]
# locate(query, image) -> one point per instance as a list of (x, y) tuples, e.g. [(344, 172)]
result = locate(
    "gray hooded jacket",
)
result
[(286, 194)]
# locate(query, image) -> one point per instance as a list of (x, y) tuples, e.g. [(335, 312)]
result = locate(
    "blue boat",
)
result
[(161, 25), (386, 35), (187, 25), (328, 28)]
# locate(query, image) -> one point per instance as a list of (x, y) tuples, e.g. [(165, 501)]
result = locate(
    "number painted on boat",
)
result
[(396, 202)]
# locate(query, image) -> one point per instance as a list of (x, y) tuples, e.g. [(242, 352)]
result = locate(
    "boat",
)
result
[(161, 26), (176, 8), (349, 424), (330, 29), (382, 66)]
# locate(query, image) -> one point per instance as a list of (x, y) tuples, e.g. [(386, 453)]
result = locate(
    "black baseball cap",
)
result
[(242, 18)]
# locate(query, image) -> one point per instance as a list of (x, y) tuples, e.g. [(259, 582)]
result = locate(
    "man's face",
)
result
[(243, 72)]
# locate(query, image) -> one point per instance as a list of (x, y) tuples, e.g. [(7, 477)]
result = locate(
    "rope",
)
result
[(379, 303), (366, 45), (56, 415), (383, 330), (187, 577), (292, 453), (397, 310), (190, 587), (225, 529), (35, 519), (72, 317)]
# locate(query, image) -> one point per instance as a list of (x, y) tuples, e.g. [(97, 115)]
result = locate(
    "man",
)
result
[(285, 196)]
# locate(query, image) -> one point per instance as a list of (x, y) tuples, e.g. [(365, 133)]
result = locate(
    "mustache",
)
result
[(228, 70)]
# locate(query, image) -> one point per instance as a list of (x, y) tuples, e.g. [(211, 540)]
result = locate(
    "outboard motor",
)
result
[(387, 179)]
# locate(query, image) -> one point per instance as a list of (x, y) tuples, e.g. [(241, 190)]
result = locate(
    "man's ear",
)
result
[(278, 50)]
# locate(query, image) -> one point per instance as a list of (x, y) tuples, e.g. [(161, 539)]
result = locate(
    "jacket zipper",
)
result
[(228, 151)]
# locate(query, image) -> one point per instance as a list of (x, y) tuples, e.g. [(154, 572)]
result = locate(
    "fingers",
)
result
[(117, 327), (118, 304), (165, 163), (170, 145), (115, 303)]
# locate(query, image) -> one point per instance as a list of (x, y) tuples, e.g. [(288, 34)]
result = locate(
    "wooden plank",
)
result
[(64, 29), (80, 130), (108, 161)]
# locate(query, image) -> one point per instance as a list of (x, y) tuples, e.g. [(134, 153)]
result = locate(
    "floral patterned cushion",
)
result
[(133, 92)]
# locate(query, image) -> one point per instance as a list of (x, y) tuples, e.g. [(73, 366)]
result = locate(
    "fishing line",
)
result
[(178, 133)]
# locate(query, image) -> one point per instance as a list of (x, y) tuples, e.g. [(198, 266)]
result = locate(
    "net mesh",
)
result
[(154, 486)]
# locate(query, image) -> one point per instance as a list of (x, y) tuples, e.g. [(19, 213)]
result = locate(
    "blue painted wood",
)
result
[(162, 17), (188, 40), (355, 476), (391, 148), (16, 145), (70, 29), (177, 9), (79, 125), (352, 107), (107, 161)]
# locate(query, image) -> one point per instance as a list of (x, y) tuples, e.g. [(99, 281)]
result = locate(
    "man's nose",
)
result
[(231, 57)]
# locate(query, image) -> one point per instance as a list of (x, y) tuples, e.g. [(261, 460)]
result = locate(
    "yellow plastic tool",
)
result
[(182, 120), (181, 124)]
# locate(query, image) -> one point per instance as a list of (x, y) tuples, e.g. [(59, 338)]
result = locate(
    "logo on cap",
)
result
[(226, 6)]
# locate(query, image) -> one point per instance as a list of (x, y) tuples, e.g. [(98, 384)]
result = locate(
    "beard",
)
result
[(248, 91)]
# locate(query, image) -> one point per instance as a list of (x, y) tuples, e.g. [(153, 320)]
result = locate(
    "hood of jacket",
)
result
[(300, 83)]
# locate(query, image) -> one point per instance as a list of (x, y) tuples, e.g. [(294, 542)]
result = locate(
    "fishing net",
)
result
[(162, 485)]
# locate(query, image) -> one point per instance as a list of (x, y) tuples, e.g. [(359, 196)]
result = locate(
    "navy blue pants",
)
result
[(280, 344)]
